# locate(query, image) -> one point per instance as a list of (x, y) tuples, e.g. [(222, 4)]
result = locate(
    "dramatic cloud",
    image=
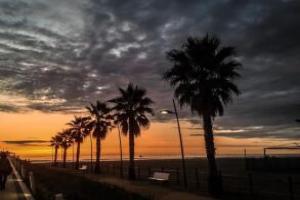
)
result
[(26, 142), (59, 55)]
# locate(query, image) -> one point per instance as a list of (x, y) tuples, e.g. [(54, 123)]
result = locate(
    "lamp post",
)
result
[(180, 139), (121, 152), (73, 153), (91, 146)]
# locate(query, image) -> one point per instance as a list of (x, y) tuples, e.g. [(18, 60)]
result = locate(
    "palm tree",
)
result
[(100, 124), (131, 108), (202, 76), (79, 130), (55, 143), (66, 142)]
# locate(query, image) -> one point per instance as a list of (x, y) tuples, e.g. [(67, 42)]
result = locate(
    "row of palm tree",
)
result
[(64, 140), (202, 75), (128, 112)]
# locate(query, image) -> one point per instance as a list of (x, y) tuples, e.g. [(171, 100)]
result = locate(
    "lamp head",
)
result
[(166, 112)]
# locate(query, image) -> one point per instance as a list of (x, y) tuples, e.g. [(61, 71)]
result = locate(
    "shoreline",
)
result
[(162, 158)]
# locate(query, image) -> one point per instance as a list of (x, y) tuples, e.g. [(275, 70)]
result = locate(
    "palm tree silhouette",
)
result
[(55, 142), (202, 75), (131, 109), (66, 142), (100, 124), (79, 130)]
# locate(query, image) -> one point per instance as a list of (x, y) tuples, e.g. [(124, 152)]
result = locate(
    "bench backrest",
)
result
[(83, 167), (161, 175), (59, 197)]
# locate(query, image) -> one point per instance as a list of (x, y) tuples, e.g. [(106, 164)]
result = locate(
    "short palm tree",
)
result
[(55, 143), (202, 75), (79, 130), (66, 142), (131, 109), (100, 124)]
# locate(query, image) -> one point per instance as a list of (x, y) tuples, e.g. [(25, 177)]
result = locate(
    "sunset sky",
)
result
[(58, 56)]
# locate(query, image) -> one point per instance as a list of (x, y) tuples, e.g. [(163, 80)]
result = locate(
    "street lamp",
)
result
[(165, 112), (121, 152), (91, 151)]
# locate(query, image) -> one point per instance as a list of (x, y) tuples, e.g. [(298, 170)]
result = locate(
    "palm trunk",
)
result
[(214, 183), (64, 157), (77, 155), (98, 153), (131, 168), (55, 156)]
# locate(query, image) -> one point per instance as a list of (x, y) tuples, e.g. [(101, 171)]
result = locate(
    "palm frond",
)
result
[(203, 73)]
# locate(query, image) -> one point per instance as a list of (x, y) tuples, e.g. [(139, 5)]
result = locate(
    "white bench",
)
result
[(160, 177), (59, 196), (83, 168)]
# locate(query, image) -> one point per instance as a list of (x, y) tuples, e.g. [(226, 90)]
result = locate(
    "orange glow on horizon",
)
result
[(159, 139)]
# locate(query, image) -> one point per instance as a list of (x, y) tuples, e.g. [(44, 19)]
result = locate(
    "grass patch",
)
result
[(51, 181)]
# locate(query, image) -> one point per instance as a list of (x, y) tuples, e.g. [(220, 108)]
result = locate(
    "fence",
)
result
[(275, 164), (249, 186)]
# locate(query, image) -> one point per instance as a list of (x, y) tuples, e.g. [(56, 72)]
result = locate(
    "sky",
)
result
[(58, 56)]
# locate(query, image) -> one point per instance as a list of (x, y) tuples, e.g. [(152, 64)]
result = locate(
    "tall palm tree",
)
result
[(66, 142), (101, 125), (202, 75), (79, 130), (131, 108), (55, 143)]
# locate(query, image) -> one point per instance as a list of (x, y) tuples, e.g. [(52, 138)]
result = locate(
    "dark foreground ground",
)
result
[(263, 181)]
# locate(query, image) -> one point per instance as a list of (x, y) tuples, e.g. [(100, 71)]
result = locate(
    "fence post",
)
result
[(31, 182), (291, 189), (121, 170), (149, 171), (126, 171), (197, 178), (139, 172), (23, 172), (177, 176), (250, 179), (220, 180)]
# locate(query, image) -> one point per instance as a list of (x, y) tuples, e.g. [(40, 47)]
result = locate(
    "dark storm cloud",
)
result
[(9, 108), (71, 52), (280, 132)]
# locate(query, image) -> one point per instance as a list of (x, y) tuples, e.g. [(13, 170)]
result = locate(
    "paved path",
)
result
[(15, 187), (11, 192), (148, 190)]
